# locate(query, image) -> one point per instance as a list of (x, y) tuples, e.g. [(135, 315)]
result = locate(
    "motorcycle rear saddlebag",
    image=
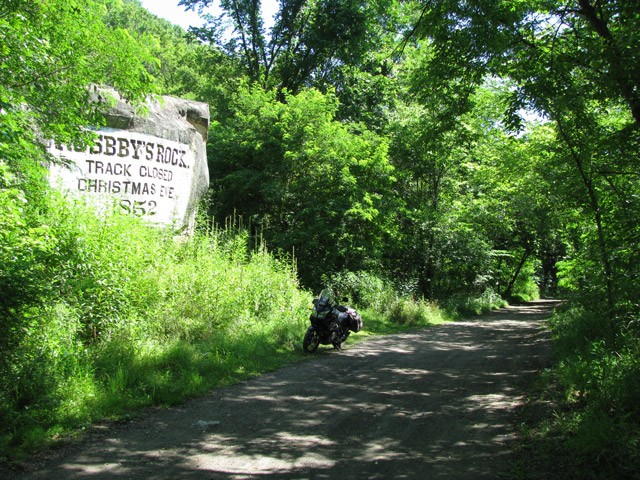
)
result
[(355, 320)]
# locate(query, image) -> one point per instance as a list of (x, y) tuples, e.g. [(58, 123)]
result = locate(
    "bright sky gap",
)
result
[(176, 14)]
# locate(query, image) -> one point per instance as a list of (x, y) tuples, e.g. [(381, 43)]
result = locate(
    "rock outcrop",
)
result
[(152, 164)]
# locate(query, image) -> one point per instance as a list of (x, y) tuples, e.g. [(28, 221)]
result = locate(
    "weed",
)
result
[(593, 431)]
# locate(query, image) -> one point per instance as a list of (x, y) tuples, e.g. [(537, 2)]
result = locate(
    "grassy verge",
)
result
[(112, 316), (581, 419)]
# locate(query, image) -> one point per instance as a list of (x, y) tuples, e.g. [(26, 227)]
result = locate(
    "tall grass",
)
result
[(594, 387), (113, 315), (385, 310), (128, 316)]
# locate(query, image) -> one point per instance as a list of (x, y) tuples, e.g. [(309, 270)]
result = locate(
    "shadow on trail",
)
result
[(435, 403)]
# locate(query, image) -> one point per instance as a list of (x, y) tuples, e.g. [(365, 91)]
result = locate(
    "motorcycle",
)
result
[(331, 324)]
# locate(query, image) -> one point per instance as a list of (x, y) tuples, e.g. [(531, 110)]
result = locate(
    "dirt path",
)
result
[(436, 403)]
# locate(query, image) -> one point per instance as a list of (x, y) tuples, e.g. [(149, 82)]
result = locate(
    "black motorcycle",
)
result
[(331, 324)]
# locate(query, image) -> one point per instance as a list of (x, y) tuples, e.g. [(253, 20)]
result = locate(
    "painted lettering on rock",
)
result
[(148, 176)]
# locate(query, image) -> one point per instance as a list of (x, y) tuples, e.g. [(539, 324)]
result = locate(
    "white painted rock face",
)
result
[(152, 165)]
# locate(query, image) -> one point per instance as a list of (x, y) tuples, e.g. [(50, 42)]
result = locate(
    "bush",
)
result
[(600, 384), (363, 289), (385, 309), (120, 315), (409, 312), (470, 305)]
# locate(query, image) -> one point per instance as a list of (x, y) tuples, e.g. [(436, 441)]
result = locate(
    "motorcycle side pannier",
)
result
[(355, 320)]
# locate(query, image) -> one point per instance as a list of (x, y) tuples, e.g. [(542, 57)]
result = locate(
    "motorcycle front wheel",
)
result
[(311, 340)]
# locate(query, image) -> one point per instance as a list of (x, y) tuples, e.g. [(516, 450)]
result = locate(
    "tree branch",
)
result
[(623, 78)]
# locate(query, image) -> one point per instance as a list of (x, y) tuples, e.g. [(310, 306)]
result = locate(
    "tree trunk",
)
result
[(597, 212), (516, 274)]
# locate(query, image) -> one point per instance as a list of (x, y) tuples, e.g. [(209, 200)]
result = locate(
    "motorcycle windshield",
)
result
[(324, 303), (326, 295)]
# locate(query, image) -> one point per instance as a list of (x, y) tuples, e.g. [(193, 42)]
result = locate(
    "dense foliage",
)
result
[(407, 151), (128, 317)]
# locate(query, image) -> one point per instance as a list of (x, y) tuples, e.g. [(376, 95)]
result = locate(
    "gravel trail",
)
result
[(436, 403)]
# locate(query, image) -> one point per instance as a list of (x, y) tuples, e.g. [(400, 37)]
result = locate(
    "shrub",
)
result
[(475, 305), (410, 312), (118, 315), (362, 288), (599, 380)]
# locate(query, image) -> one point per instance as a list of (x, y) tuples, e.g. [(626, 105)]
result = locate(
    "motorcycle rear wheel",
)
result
[(311, 340)]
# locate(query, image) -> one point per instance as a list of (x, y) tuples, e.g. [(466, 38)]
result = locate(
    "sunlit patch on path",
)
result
[(434, 403)]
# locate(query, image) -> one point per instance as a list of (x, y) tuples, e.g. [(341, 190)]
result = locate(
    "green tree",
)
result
[(439, 251), (308, 43), (575, 62), (53, 54), (53, 51), (514, 200), (180, 63), (307, 183), (428, 165)]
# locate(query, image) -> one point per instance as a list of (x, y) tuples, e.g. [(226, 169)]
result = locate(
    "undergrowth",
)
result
[(113, 315), (590, 428), (122, 315)]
